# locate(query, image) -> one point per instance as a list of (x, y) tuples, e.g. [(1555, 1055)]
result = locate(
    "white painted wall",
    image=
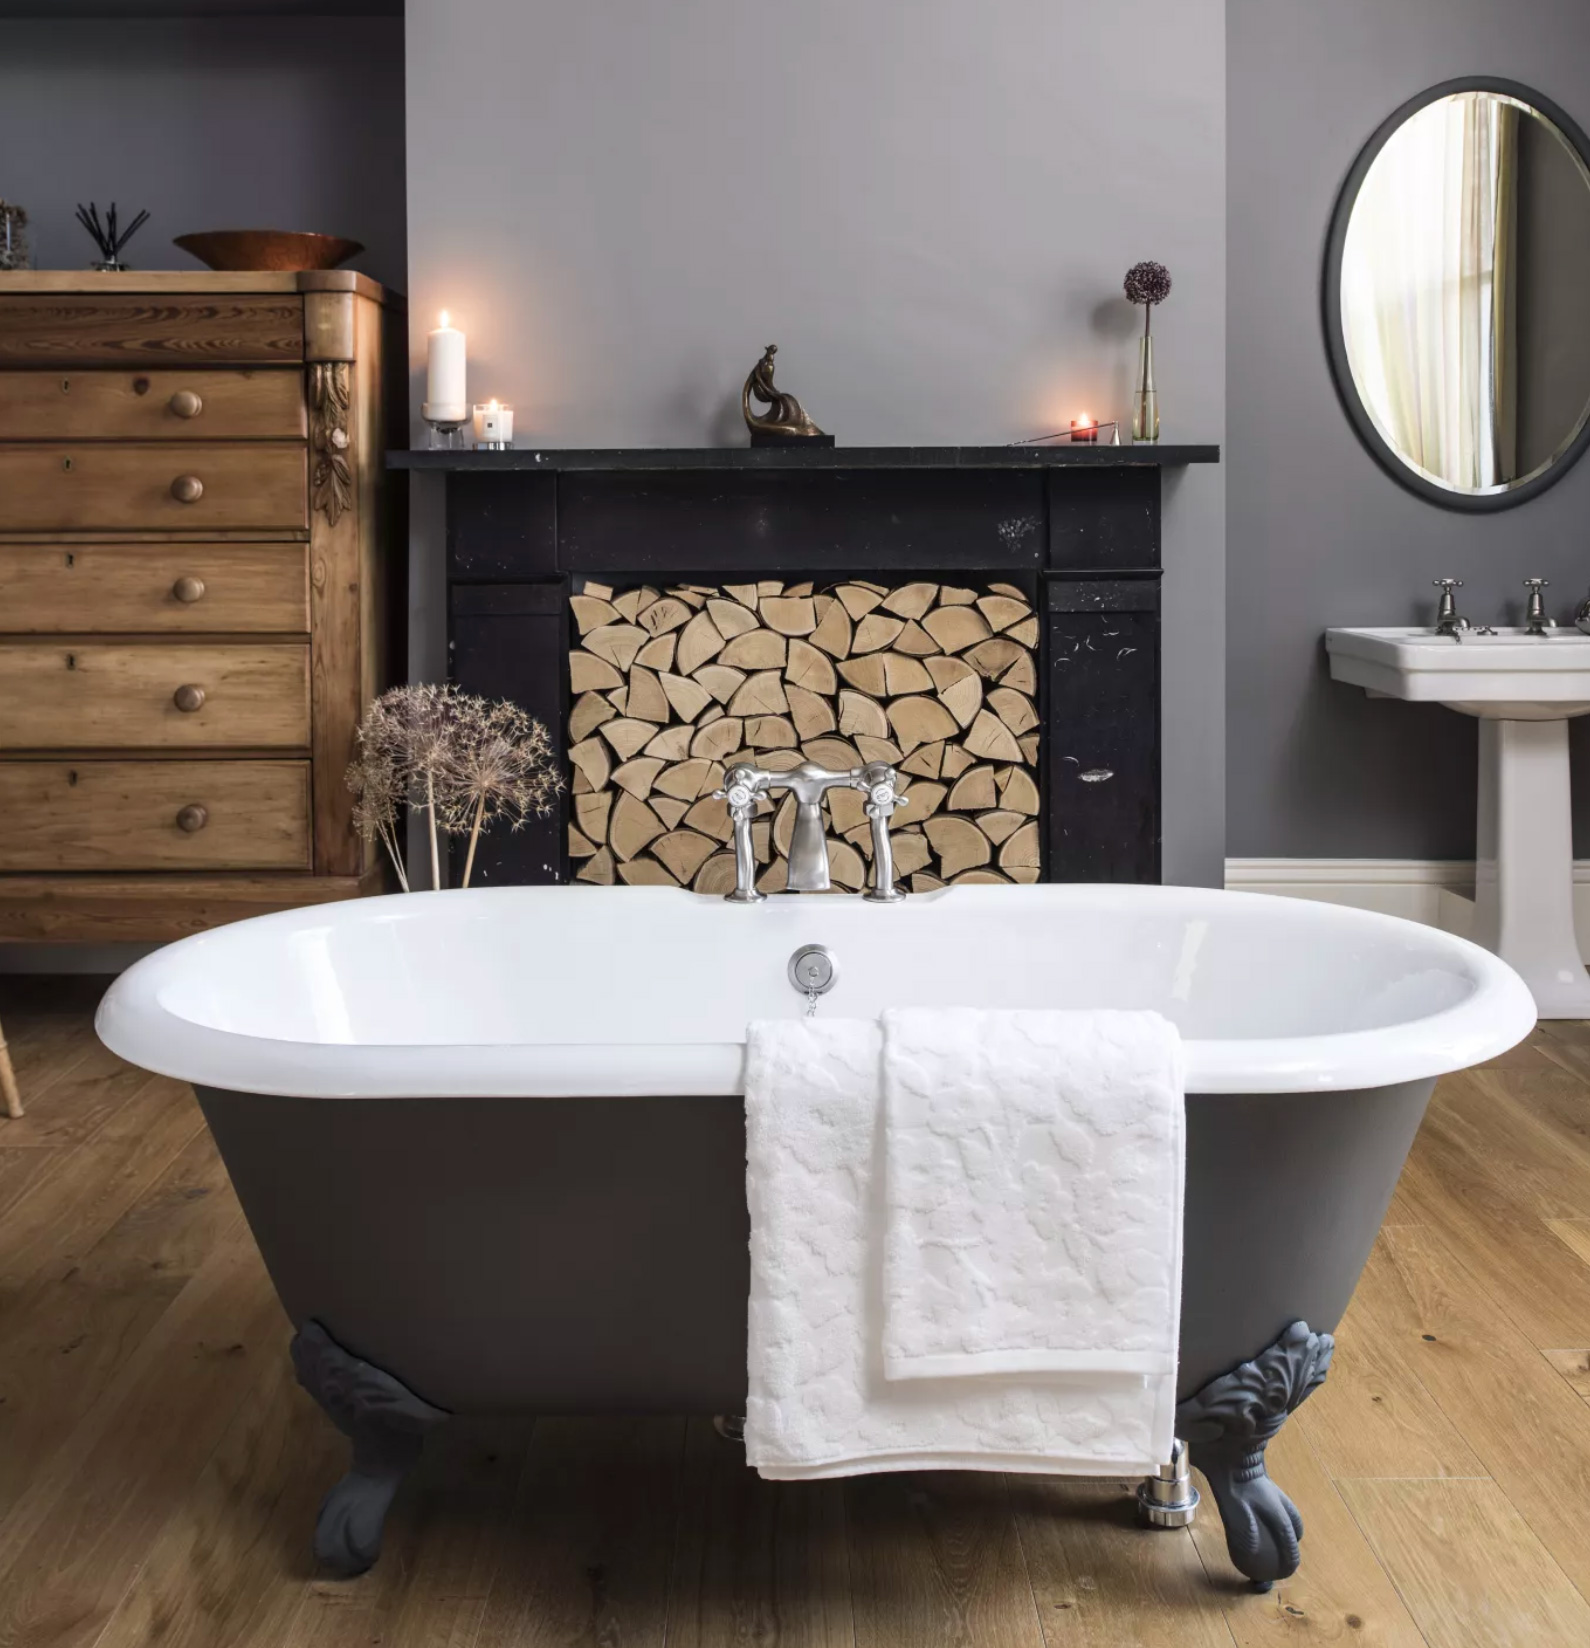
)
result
[(927, 204)]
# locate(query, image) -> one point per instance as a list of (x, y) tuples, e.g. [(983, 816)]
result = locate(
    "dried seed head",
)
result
[(1148, 283), (498, 767)]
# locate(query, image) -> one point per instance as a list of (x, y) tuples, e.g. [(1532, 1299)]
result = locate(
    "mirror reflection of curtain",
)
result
[(1428, 290)]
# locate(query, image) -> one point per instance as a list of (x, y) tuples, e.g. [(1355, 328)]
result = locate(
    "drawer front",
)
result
[(167, 487), (102, 589), (106, 696), (152, 406), (142, 330), (154, 815)]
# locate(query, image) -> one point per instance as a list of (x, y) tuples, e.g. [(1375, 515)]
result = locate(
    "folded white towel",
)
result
[(1034, 1182), (819, 1403)]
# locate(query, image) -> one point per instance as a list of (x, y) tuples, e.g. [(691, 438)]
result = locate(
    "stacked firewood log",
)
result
[(670, 688)]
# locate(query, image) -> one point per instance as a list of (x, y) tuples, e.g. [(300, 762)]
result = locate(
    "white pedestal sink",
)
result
[(1523, 688)]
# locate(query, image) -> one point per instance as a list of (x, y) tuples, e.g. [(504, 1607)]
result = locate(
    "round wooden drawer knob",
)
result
[(188, 589), (186, 404), (188, 698), (187, 489), (192, 819)]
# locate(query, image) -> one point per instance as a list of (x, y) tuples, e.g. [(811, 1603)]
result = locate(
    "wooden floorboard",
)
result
[(160, 1469), (1469, 1568)]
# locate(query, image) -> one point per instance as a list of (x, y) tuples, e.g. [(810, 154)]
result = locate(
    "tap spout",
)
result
[(808, 848)]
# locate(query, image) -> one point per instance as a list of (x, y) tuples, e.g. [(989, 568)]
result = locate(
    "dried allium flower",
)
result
[(377, 789), (408, 732), (464, 761), (499, 768), (1148, 283)]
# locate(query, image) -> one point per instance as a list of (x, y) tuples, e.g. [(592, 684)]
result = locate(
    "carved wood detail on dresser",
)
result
[(197, 546)]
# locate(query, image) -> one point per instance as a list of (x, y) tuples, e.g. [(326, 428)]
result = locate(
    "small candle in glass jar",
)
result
[(1084, 428), (493, 424)]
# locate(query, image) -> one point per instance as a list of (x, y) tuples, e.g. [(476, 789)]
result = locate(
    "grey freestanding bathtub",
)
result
[(492, 1148)]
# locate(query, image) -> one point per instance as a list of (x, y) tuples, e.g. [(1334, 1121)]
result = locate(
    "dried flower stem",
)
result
[(474, 837), (430, 811), (389, 841)]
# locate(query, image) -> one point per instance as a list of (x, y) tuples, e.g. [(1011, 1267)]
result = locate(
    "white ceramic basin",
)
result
[(1523, 688), (1508, 676)]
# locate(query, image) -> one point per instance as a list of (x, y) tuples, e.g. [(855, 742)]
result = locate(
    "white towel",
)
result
[(819, 1403), (1034, 1181)]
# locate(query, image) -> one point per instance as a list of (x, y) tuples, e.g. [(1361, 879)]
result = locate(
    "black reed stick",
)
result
[(107, 235)]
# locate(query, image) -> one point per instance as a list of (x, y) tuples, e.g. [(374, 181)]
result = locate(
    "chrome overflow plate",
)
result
[(813, 971)]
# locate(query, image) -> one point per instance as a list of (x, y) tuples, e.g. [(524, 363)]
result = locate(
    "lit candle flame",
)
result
[(495, 406), (444, 321), (1083, 422)]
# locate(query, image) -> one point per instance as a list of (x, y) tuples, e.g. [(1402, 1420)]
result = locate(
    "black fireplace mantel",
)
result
[(1075, 527), (1065, 455)]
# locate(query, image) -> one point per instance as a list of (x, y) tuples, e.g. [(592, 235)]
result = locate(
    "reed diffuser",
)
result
[(1147, 284), (109, 236), (464, 763)]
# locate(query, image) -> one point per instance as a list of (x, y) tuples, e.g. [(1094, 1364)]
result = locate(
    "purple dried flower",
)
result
[(1148, 283)]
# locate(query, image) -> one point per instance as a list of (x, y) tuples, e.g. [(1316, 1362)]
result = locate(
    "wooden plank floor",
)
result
[(159, 1468)]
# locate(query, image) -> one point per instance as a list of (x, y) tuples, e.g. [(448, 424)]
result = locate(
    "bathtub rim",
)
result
[(134, 1023)]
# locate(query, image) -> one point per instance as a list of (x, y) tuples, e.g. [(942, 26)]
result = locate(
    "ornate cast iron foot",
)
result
[(387, 1424), (1229, 1423), (1169, 1500)]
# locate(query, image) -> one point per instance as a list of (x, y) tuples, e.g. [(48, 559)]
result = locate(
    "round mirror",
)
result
[(1457, 294)]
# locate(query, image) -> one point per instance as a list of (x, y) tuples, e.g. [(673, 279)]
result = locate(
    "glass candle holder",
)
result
[(493, 426)]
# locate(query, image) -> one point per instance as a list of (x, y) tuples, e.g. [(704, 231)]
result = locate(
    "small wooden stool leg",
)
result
[(8, 1080)]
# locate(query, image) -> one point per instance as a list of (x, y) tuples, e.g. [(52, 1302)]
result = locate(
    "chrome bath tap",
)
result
[(808, 848)]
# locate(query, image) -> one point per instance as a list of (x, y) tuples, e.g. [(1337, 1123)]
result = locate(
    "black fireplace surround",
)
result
[(1075, 526)]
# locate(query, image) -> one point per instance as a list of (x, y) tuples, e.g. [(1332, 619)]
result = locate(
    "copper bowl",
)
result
[(249, 250)]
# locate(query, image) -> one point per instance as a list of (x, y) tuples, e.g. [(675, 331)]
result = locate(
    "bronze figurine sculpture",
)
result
[(785, 420)]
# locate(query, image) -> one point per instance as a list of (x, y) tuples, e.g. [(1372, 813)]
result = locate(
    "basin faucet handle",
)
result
[(1447, 621), (1535, 620), (879, 782)]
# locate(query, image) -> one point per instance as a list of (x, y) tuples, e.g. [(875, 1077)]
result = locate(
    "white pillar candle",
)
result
[(493, 422), (445, 398)]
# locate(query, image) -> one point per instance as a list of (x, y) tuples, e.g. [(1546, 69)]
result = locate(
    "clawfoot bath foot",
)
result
[(387, 1424), (1228, 1425)]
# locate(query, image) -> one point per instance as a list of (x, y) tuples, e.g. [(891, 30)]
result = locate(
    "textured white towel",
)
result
[(1034, 1182), (819, 1403)]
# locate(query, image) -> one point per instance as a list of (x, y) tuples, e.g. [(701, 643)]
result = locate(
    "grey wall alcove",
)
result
[(1318, 533)]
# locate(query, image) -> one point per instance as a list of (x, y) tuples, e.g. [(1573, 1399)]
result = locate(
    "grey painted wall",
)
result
[(1317, 533), (211, 124), (928, 206)]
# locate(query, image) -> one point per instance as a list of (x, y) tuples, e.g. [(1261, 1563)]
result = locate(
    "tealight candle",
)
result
[(445, 397), (493, 424), (1084, 428)]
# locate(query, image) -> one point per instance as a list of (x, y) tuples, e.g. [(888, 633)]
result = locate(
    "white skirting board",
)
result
[(1438, 892)]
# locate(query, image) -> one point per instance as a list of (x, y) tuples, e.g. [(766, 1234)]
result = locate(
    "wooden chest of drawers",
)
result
[(194, 557)]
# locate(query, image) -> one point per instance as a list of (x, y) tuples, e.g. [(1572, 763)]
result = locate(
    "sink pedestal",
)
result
[(1523, 874)]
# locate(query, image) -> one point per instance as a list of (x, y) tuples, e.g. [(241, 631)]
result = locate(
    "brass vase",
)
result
[(1145, 398)]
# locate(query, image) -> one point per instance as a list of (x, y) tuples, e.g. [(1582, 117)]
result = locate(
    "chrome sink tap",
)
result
[(808, 848), (1447, 621), (1535, 620)]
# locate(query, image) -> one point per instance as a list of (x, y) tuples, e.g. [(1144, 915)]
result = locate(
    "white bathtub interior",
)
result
[(538, 969)]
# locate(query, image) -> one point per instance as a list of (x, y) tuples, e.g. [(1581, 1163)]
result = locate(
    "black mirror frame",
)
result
[(1331, 296)]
